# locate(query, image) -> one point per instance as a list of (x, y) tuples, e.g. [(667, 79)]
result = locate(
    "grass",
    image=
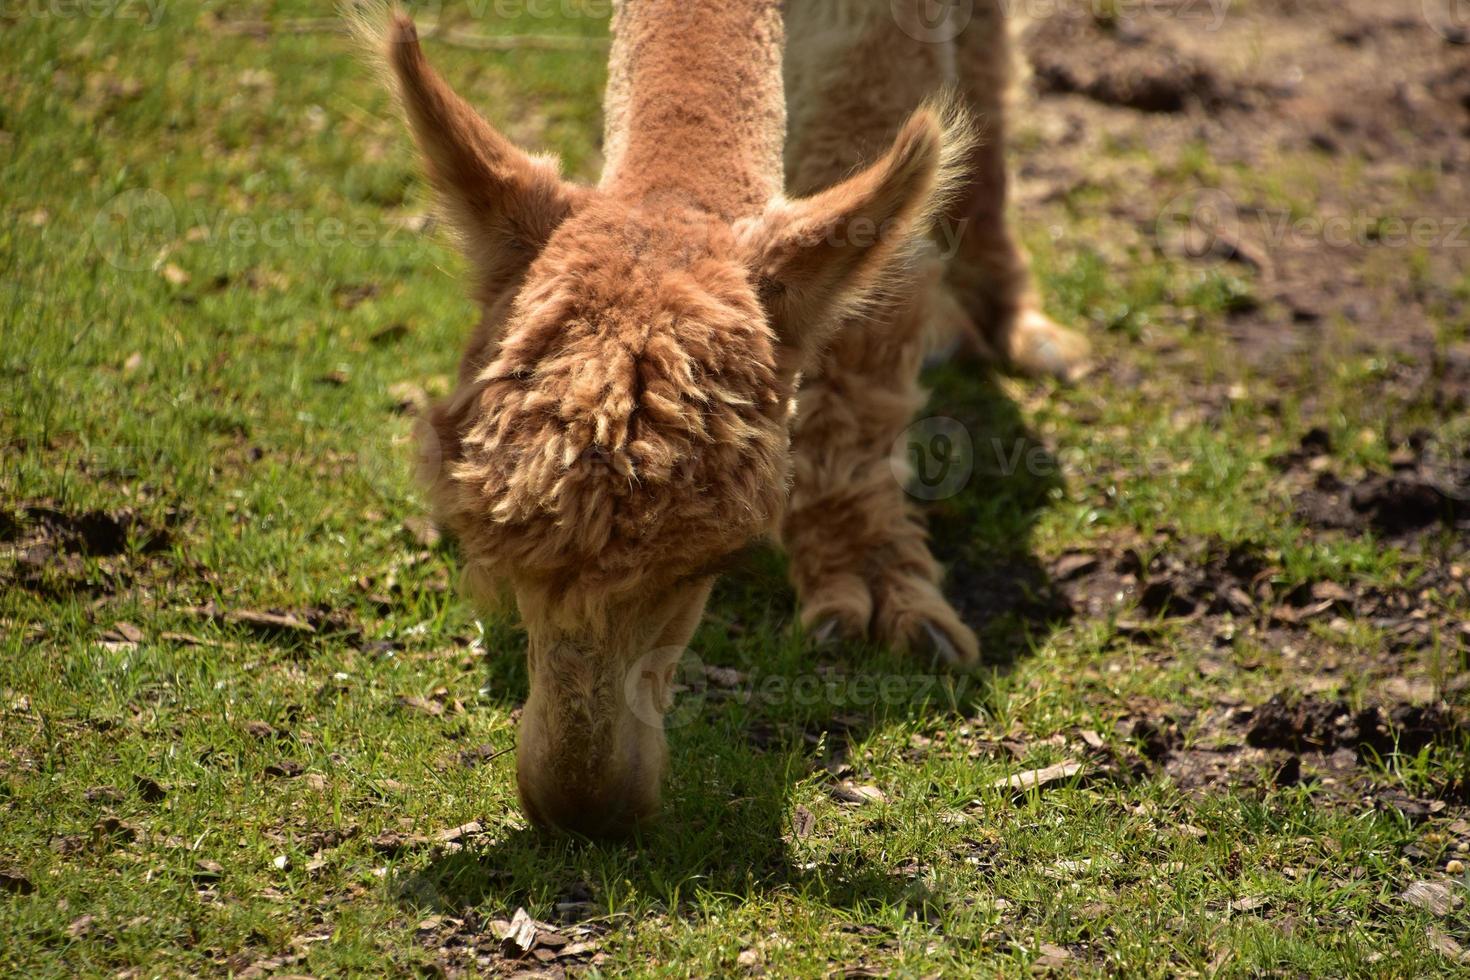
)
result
[(207, 798)]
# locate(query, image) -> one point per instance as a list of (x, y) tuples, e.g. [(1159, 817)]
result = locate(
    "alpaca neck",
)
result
[(695, 109)]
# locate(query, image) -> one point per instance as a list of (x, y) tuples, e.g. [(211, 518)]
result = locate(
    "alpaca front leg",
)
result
[(989, 273), (860, 559)]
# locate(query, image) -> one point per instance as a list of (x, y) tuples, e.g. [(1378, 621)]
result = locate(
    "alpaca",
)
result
[(682, 359)]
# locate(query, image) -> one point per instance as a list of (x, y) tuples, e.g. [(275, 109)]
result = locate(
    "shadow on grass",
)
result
[(983, 534), (729, 825)]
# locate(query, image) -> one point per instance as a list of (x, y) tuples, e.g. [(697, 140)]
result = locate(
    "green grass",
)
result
[(225, 376)]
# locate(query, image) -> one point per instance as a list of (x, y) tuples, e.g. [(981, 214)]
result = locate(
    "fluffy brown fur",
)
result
[(624, 418)]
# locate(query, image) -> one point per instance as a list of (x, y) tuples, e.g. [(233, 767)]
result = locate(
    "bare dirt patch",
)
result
[(1368, 97), (50, 547)]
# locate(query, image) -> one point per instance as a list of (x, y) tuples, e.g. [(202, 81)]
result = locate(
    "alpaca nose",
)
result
[(609, 808)]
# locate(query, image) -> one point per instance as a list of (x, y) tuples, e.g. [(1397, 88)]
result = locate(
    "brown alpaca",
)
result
[(627, 414)]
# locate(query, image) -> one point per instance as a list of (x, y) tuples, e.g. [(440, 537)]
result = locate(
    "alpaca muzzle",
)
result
[(591, 752)]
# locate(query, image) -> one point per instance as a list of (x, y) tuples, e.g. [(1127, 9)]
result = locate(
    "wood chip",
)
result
[(259, 729), (103, 794), (1070, 869), (724, 676), (550, 938), (271, 966), (149, 790), (422, 531), (269, 620), (849, 792), (1447, 947), (520, 937), (422, 705), (1331, 592), (1073, 564), (1432, 896), (1038, 778), (128, 632), (186, 639), (391, 842), (1052, 957), (463, 830)]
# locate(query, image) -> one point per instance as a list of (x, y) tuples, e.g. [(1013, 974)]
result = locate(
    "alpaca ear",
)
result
[(817, 258), (504, 203)]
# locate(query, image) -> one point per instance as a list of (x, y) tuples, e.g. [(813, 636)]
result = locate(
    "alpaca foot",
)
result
[(910, 616), (913, 616), (838, 612), (1038, 346), (833, 632)]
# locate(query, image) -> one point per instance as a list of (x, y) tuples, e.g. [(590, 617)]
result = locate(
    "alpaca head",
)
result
[(626, 428)]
